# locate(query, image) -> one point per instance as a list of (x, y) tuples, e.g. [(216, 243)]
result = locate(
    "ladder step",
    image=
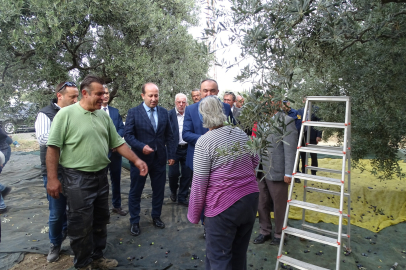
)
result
[(325, 170), (313, 228), (326, 191), (326, 150), (324, 124), (311, 236), (327, 98), (315, 207), (317, 178), (299, 264)]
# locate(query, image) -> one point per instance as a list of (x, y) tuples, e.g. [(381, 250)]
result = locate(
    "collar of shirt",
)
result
[(105, 107), (85, 111), (147, 109), (178, 113), (57, 105)]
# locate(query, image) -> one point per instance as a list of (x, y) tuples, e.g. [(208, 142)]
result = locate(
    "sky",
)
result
[(225, 78)]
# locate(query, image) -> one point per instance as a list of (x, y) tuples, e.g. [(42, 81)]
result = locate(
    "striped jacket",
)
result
[(220, 180)]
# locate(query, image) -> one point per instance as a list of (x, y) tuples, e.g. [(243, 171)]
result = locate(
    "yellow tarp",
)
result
[(375, 204)]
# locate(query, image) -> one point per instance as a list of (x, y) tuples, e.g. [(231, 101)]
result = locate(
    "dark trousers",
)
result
[(157, 173), (228, 235), (115, 178), (272, 194), (185, 175), (313, 157), (88, 213)]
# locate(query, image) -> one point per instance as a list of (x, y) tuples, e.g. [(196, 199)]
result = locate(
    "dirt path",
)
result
[(39, 261)]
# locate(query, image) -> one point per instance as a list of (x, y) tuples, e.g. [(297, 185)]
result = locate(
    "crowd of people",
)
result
[(81, 141)]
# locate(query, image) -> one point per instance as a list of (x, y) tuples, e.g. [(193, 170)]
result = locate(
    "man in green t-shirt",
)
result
[(80, 138)]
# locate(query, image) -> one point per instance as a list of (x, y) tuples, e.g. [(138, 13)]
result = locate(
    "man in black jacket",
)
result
[(66, 94), (315, 136), (5, 142), (184, 175)]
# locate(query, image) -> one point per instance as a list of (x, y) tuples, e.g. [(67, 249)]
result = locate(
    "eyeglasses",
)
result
[(69, 84)]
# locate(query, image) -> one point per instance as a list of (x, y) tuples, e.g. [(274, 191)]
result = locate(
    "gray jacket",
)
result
[(281, 156), (236, 111)]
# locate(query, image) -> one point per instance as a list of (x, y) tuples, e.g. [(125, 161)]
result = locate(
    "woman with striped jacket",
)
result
[(224, 183)]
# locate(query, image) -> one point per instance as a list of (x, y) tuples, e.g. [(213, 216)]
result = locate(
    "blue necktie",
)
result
[(152, 119)]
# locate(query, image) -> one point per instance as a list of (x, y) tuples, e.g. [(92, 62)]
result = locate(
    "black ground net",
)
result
[(180, 245)]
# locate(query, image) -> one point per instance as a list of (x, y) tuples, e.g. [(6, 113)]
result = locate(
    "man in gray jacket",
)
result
[(273, 189)]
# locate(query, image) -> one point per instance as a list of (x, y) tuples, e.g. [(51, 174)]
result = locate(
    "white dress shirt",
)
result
[(180, 117), (106, 109)]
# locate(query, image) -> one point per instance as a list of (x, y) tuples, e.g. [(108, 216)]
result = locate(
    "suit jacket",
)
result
[(173, 119), (236, 111), (193, 128), (139, 132), (117, 120), (314, 133), (281, 156)]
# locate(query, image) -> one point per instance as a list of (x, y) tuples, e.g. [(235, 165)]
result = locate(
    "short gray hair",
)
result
[(228, 93), (211, 109), (180, 95)]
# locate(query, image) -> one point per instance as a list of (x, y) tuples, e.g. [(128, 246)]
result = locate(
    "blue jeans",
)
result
[(2, 204), (57, 216), (7, 154)]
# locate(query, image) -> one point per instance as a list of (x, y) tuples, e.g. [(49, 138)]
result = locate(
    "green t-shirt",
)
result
[(84, 138)]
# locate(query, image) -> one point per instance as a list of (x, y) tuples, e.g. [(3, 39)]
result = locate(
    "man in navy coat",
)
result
[(193, 124), (114, 156), (149, 133)]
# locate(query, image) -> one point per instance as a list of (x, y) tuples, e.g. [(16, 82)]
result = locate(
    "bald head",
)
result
[(149, 85), (209, 87), (239, 101)]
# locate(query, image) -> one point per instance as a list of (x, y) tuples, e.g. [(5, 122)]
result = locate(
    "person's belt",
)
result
[(182, 146), (102, 171)]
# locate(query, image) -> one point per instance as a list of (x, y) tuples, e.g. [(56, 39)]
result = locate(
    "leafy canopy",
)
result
[(328, 48), (126, 42)]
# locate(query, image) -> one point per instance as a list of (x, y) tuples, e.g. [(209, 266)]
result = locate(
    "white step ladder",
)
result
[(344, 152)]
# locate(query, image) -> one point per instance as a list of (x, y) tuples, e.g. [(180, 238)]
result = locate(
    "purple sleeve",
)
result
[(201, 176)]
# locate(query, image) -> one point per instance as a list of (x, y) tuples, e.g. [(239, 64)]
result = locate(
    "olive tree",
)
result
[(327, 47)]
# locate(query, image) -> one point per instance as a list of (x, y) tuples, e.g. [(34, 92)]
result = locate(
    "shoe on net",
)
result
[(173, 197), (260, 239), (275, 241), (104, 264), (53, 254), (119, 211)]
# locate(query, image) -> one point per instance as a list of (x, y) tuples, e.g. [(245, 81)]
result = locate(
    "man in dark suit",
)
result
[(193, 124), (114, 156), (149, 133), (176, 117)]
